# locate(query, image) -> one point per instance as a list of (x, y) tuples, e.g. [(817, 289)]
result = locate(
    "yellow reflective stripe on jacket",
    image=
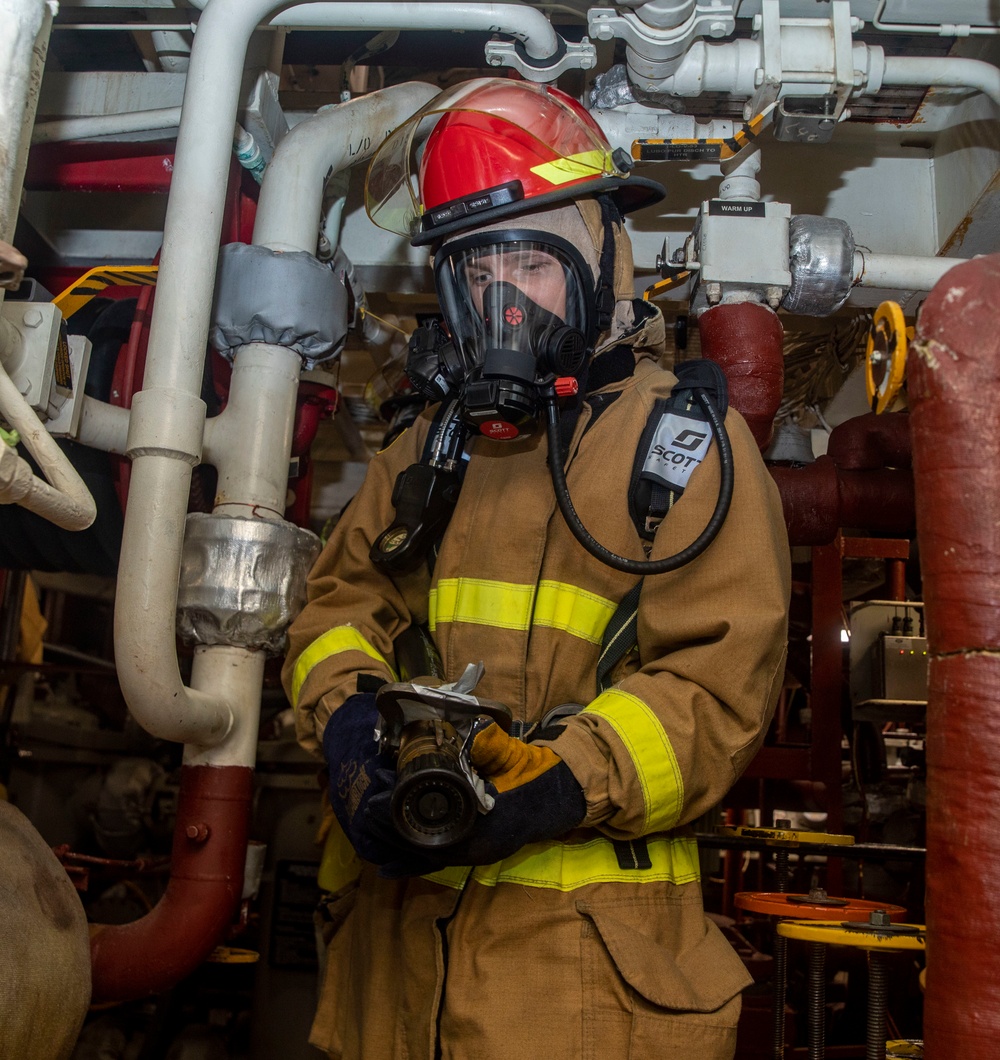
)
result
[(332, 642), (505, 605), (575, 611), (508, 605), (566, 866), (652, 756)]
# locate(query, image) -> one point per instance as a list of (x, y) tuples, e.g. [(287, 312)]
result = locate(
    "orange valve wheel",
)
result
[(817, 905)]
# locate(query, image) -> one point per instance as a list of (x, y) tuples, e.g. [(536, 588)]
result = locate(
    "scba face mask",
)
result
[(520, 309)]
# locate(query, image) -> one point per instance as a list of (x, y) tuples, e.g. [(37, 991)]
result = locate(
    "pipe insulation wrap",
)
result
[(745, 340), (954, 376), (821, 261)]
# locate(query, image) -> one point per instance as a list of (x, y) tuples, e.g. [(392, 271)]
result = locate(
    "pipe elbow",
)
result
[(149, 955)]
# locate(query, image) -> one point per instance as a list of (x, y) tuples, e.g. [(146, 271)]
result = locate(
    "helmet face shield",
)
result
[(516, 290), (488, 149)]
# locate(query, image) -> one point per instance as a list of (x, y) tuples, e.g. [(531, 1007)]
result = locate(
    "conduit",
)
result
[(899, 272), (954, 380), (745, 340)]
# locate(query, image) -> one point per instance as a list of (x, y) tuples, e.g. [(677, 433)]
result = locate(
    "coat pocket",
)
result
[(660, 976)]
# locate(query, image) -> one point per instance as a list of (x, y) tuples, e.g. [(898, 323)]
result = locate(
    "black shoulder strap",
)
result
[(677, 430)]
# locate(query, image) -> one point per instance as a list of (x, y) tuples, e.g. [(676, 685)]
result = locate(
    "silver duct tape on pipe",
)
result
[(242, 580), (821, 261)]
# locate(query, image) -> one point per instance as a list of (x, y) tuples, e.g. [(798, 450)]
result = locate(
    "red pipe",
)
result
[(130, 961), (821, 498), (745, 339), (954, 381), (871, 441)]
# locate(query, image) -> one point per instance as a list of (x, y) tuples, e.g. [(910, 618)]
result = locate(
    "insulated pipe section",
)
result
[(291, 195), (954, 375), (745, 339), (899, 272), (944, 73), (167, 421), (863, 482), (525, 24), (66, 502), (735, 66), (130, 961), (23, 47)]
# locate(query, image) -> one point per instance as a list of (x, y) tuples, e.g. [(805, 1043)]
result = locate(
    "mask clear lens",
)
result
[(513, 294)]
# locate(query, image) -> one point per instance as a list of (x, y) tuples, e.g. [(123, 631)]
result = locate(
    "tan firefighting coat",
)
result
[(576, 948)]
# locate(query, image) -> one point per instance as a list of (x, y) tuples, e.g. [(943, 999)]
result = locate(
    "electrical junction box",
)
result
[(885, 684), (903, 668), (742, 249)]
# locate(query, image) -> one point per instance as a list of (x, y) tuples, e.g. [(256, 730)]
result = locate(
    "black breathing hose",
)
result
[(605, 555)]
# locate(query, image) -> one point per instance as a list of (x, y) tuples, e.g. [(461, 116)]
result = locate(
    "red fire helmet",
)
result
[(490, 149)]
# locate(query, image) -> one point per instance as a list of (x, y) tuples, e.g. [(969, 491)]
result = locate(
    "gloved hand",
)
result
[(536, 797), (358, 773)]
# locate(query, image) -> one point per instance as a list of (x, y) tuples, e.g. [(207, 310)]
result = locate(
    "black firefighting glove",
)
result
[(358, 773), (536, 797)]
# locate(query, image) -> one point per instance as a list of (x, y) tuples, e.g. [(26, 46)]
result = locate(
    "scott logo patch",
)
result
[(679, 446)]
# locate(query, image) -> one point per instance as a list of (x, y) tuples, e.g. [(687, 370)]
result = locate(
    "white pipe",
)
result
[(250, 442), (106, 125), (23, 45), (168, 419), (146, 608), (291, 195), (623, 125), (241, 672), (899, 272), (67, 501), (173, 49), (943, 29), (525, 24), (944, 72), (103, 426)]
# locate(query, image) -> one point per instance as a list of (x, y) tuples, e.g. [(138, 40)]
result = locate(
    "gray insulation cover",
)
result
[(821, 261), (242, 580), (284, 298)]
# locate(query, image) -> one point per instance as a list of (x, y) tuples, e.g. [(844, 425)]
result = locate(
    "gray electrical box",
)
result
[(902, 668)]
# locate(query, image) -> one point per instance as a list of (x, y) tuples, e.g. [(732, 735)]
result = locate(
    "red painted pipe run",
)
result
[(145, 957), (954, 384), (746, 340), (864, 482)]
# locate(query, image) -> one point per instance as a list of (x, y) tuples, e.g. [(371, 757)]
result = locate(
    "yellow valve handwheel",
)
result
[(885, 356), (788, 837), (835, 933)]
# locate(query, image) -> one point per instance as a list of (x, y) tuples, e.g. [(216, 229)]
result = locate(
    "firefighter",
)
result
[(568, 923)]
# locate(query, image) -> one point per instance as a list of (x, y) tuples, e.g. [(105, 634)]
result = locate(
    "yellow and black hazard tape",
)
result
[(701, 150), (94, 281)]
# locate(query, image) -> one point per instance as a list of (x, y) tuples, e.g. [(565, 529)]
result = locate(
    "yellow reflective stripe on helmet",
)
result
[(332, 642), (566, 866), (649, 748), (575, 611), (507, 605), (573, 167)]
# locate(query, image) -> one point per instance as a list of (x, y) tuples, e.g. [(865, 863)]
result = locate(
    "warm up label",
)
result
[(679, 446)]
